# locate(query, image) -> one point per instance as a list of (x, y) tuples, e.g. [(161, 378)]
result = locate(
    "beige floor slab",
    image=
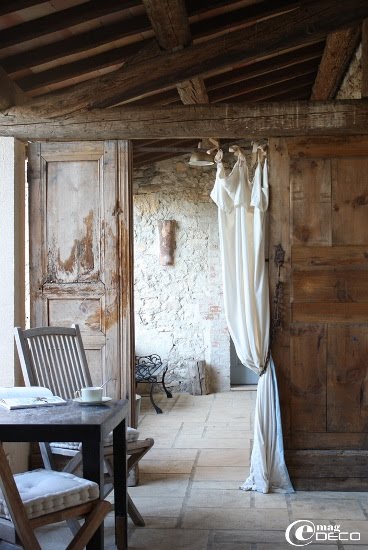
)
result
[(204, 498), (327, 508), (168, 539), (249, 536), (221, 457), (158, 506), (218, 485), (170, 454), (210, 443), (271, 500), (234, 518), (220, 473), (169, 467), (173, 485)]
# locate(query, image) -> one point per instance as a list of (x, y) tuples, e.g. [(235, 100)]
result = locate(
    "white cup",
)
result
[(90, 395)]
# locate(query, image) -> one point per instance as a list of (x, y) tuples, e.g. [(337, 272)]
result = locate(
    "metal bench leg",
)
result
[(168, 393), (157, 409)]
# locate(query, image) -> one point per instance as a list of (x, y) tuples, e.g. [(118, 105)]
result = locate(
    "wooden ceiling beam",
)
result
[(336, 58), (10, 92), (312, 22), (190, 121), (61, 20), (170, 23), (9, 6)]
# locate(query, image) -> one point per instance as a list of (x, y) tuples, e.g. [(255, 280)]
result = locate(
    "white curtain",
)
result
[(241, 213)]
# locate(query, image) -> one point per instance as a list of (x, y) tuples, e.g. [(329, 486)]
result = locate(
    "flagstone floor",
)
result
[(188, 490)]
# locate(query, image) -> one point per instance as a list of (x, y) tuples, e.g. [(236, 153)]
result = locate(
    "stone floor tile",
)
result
[(180, 539), (218, 485), (249, 536), (187, 442), (170, 454), (222, 457), (327, 509), (204, 498), (221, 473), (231, 546), (173, 485), (154, 506), (286, 546), (234, 518), (271, 500), (169, 467), (156, 522)]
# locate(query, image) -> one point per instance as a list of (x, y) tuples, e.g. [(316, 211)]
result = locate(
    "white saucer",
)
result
[(89, 403)]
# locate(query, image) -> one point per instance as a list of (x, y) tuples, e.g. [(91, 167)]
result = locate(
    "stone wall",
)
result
[(351, 87), (179, 307)]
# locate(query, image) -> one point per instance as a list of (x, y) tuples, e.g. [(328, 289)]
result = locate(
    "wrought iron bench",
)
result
[(150, 369)]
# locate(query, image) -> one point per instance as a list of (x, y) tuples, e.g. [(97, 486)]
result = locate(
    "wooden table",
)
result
[(90, 425)]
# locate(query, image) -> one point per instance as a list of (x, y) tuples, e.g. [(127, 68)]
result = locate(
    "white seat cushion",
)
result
[(132, 435), (47, 491)]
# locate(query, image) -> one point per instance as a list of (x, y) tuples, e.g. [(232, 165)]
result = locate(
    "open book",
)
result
[(11, 403)]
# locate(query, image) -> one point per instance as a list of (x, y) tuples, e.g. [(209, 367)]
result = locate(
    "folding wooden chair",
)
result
[(54, 357)]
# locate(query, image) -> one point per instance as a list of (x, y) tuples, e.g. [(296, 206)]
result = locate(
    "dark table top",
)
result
[(70, 422)]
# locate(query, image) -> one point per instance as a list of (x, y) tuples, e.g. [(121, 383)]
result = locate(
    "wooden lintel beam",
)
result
[(191, 121), (336, 57), (311, 22), (10, 92)]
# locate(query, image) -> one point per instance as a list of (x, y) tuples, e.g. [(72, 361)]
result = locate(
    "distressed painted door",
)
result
[(319, 213), (81, 250)]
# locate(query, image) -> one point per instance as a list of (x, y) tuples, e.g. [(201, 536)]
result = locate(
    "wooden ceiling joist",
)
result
[(190, 121), (10, 92), (339, 49), (273, 35), (170, 23)]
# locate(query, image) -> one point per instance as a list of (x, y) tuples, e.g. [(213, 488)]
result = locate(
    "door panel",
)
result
[(75, 249)]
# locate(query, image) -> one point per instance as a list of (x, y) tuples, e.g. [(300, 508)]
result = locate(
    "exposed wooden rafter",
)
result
[(339, 49), (170, 23), (10, 92), (8, 6), (310, 23), (190, 121)]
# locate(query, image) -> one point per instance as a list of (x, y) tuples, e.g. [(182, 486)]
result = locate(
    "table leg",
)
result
[(93, 469), (120, 486)]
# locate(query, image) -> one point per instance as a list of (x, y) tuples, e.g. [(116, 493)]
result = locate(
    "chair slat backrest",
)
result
[(53, 357)]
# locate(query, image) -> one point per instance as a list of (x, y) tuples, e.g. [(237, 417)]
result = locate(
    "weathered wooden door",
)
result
[(319, 213), (81, 250)]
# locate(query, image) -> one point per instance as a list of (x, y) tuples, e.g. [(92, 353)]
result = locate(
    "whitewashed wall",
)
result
[(179, 309)]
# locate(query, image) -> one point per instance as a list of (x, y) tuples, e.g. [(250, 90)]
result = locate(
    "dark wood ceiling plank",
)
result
[(190, 121), (170, 23), (9, 6), (307, 25), (77, 68), (10, 92), (242, 17), (336, 58), (280, 61), (61, 20), (281, 76), (277, 92), (76, 44)]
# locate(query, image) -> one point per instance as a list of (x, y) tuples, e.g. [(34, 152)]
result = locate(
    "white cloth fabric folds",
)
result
[(242, 207)]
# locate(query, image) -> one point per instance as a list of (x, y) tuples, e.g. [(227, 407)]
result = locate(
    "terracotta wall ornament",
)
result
[(166, 230)]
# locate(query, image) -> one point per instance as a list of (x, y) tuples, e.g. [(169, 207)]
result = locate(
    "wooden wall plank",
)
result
[(347, 379), (350, 201), (323, 312), (317, 440), (330, 286), (327, 147), (308, 378), (334, 257), (279, 233), (310, 183)]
